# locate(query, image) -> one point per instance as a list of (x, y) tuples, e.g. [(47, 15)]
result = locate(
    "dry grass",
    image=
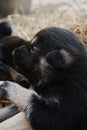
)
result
[(81, 30), (53, 15)]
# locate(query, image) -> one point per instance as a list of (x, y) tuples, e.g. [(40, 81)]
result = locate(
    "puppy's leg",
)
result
[(8, 112), (19, 78), (20, 96), (37, 109), (16, 93), (8, 73), (17, 122)]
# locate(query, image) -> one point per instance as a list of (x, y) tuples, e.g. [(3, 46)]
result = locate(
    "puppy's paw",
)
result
[(3, 89), (13, 91)]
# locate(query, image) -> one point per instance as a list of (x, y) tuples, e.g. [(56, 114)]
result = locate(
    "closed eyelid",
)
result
[(34, 49)]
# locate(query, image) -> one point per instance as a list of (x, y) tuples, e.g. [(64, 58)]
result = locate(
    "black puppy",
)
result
[(7, 44), (55, 62)]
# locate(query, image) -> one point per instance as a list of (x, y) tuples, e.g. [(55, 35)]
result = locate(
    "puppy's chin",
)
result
[(16, 60), (20, 63), (17, 63)]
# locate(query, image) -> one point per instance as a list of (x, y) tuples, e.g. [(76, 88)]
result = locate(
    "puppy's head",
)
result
[(51, 56)]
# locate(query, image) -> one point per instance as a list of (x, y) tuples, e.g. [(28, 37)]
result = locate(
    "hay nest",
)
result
[(81, 31)]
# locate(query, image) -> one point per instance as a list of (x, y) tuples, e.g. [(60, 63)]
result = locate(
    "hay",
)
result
[(81, 31), (60, 15)]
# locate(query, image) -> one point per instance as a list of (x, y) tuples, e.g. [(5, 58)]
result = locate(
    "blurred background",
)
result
[(29, 16)]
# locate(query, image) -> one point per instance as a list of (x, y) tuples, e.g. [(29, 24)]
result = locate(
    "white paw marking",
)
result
[(1, 82)]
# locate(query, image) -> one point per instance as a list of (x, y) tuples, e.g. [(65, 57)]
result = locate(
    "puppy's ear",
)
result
[(60, 59)]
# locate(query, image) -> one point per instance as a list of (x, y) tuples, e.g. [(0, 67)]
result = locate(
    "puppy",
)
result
[(7, 68), (55, 63), (7, 44)]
